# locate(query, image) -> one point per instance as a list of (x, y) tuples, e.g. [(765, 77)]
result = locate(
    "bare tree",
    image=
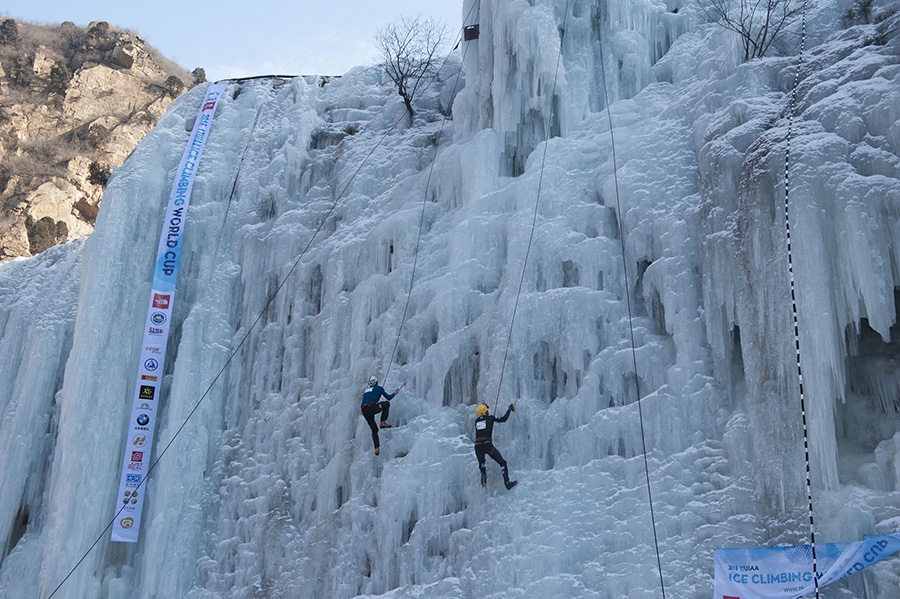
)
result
[(409, 50), (758, 22)]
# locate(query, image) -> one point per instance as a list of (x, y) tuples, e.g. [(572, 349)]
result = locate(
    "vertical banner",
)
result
[(145, 401), (786, 572)]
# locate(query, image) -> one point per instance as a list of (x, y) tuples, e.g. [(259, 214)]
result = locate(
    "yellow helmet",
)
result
[(481, 410)]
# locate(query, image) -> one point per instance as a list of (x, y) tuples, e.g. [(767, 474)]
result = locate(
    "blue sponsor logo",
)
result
[(133, 479), (157, 318), (151, 364), (143, 419)]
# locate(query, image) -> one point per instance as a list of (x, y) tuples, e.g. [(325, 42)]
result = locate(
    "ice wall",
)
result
[(37, 309), (844, 240), (656, 270), (523, 88)]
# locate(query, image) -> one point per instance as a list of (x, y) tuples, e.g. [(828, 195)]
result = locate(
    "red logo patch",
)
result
[(160, 301)]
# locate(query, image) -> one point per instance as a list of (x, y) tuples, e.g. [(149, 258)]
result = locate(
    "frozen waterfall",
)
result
[(309, 200)]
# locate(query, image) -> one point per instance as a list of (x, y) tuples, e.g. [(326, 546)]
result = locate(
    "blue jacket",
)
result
[(373, 394)]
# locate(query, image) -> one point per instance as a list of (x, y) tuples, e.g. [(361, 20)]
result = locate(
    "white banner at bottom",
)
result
[(787, 573)]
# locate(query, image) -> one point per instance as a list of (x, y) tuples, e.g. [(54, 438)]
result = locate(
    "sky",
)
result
[(239, 38)]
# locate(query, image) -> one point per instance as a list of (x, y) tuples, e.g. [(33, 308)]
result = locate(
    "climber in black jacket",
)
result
[(484, 445)]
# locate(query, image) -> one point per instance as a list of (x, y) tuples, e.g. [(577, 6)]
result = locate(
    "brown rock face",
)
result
[(74, 102)]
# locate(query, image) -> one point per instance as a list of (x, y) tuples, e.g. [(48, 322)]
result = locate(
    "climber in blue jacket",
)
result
[(372, 405)]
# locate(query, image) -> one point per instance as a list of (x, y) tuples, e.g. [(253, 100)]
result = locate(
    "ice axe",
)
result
[(400, 387)]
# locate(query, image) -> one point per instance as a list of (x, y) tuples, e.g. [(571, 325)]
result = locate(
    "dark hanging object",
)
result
[(470, 32)]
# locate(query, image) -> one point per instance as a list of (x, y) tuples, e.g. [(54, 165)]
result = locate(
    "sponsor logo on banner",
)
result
[(133, 480), (151, 364), (139, 440), (149, 377), (154, 332), (147, 392), (153, 349), (137, 456), (135, 466), (161, 301), (143, 419), (157, 318), (145, 406), (126, 523)]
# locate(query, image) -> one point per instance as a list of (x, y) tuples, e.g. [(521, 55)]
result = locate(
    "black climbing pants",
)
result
[(488, 449), (369, 410)]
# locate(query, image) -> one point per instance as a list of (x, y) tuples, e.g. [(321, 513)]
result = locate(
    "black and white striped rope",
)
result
[(787, 225)]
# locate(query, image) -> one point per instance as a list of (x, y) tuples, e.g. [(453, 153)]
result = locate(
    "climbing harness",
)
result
[(787, 226)]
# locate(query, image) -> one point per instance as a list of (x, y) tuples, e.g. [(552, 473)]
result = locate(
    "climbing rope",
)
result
[(153, 465), (787, 226), (234, 352), (637, 380), (537, 200), (425, 195), (237, 175), (234, 183)]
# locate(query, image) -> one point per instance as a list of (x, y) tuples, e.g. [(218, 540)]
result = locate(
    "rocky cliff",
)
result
[(74, 102)]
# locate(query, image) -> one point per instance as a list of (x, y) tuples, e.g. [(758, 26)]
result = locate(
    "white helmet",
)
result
[(372, 381)]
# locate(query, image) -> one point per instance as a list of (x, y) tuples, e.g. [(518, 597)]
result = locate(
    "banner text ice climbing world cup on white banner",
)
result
[(787, 572), (145, 401)]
